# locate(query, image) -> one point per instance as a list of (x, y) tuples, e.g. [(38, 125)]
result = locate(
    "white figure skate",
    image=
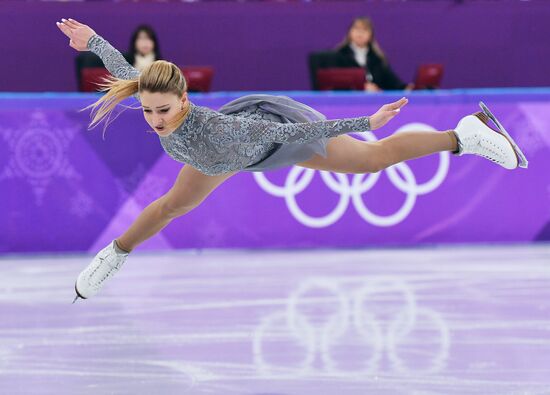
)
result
[(105, 264), (476, 136)]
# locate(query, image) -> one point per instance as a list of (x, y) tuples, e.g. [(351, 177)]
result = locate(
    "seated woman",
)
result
[(360, 49), (144, 47)]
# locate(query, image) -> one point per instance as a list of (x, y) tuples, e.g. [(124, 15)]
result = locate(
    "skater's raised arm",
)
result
[(83, 38), (230, 129), (112, 58)]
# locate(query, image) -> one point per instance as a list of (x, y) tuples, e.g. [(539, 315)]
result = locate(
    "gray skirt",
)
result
[(281, 109)]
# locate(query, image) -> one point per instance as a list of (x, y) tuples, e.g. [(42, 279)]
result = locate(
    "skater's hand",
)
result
[(78, 33), (386, 113)]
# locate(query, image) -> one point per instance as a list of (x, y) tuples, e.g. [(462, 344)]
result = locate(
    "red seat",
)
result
[(341, 78), (428, 76), (90, 77), (199, 78)]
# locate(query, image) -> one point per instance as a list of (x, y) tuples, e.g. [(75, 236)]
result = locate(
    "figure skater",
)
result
[(252, 133)]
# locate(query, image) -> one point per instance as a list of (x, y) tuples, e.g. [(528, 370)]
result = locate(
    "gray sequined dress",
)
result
[(252, 133)]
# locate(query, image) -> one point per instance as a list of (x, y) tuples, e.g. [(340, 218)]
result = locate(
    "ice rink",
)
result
[(444, 320)]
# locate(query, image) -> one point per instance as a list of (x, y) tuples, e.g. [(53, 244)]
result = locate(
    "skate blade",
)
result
[(77, 295), (522, 159)]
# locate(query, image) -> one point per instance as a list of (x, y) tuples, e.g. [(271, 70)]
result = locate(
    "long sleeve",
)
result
[(226, 129), (112, 58)]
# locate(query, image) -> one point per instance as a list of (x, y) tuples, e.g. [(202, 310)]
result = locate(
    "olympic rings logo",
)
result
[(400, 175), (367, 325)]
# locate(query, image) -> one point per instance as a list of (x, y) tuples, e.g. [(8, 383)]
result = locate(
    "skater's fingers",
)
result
[(76, 22), (400, 107), (70, 23), (403, 102), (397, 104), (65, 29)]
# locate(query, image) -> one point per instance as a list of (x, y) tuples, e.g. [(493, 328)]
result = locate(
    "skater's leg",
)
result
[(346, 154), (189, 190)]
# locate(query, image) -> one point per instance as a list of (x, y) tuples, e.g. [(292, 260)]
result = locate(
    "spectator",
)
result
[(144, 47), (360, 49)]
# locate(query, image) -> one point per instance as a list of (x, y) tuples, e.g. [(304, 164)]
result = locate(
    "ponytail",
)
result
[(117, 91)]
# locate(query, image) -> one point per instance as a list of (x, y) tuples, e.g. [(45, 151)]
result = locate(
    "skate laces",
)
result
[(487, 147), (489, 150), (107, 266)]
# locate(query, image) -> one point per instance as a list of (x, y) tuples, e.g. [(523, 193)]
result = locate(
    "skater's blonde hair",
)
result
[(159, 77), (367, 24)]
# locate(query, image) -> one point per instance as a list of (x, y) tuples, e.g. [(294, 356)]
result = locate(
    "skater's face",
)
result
[(360, 34), (144, 44), (160, 108)]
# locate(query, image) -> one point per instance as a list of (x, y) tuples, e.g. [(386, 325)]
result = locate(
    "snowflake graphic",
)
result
[(38, 153)]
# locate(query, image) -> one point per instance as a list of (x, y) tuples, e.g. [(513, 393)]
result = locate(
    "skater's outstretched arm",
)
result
[(226, 129), (84, 38), (189, 191)]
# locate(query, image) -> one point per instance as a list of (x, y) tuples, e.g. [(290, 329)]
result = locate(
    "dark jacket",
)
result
[(380, 72)]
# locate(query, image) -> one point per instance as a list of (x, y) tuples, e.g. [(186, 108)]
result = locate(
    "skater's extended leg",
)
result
[(346, 154), (189, 190)]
